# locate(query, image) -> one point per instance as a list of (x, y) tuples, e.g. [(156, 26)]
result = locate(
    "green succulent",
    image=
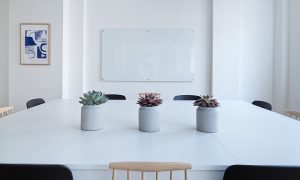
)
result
[(93, 98)]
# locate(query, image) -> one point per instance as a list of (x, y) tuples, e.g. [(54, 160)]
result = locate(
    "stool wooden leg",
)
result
[(142, 175), (156, 175), (114, 174), (185, 175), (171, 175), (128, 175)]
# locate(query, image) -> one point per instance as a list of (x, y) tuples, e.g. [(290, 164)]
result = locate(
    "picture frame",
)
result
[(35, 43)]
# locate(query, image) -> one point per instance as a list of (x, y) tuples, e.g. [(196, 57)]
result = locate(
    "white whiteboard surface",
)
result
[(147, 55)]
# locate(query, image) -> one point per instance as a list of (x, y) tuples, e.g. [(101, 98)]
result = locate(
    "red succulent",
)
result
[(149, 99), (206, 101)]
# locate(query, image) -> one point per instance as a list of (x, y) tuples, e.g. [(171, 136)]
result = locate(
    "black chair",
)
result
[(34, 172), (115, 97), (186, 97), (34, 102), (247, 172), (263, 104)]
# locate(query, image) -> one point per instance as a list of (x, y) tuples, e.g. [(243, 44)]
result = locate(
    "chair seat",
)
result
[(186, 97), (115, 97), (262, 104), (252, 172), (34, 172), (34, 102)]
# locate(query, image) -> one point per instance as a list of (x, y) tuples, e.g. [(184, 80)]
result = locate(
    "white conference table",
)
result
[(50, 134)]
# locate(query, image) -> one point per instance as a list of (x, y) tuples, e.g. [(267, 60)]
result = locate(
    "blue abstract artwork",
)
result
[(35, 43)]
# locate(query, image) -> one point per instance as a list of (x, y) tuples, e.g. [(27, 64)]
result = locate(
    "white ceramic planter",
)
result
[(91, 118), (207, 119), (149, 119)]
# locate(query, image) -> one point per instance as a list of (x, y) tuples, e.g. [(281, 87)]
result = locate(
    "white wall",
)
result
[(27, 81), (294, 55), (256, 50), (189, 14), (280, 78), (73, 48), (4, 53), (226, 43), (243, 49), (242, 38), (240, 41)]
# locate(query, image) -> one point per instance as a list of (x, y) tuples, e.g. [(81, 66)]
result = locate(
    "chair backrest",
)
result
[(34, 172), (263, 104), (34, 102), (149, 167), (186, 97), (4, 111), (247, 172), (115, 97)]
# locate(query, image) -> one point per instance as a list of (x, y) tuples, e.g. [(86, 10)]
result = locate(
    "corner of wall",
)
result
[(4, 43)]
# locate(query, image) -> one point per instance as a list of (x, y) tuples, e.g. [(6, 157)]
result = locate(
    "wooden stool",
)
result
[(4, 111), (149, 167), (293, 114)]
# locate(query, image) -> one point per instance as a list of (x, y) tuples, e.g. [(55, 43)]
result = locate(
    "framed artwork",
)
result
[(35, 44)]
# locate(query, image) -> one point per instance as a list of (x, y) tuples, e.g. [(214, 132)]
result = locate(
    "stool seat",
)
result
[(293, 114), (4, 111), (150, 166)]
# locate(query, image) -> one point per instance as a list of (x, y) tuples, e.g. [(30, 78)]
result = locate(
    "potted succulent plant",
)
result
[(148, 112), (91, 110), (206, 114)]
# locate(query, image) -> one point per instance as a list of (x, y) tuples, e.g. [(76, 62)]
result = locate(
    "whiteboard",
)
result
[(147, 55)]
